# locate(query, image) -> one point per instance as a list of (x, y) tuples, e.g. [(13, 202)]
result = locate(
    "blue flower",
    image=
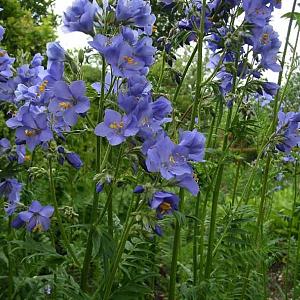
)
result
[(71, 157), (164, 203), (137, 12), (80, 16), (194, 142), (139, 189), (74, 160), (270, 88), (116, 128), (5, 66), (37, 60), (32, 126), (257, 12), (4, 145), (10, 189), (2, 31), (36, 218), (55, 52), (70, 101), (288, 130)]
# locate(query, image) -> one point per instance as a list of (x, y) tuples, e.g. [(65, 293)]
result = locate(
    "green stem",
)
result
[(176, 246), (128, 224), (162, 71), (276, 100), (184, 74), (296, 264), (260, 218), (10, 261), (215, 199), (212, 126), (89, 246), (58, 217), (237, 174), (195, 240), (110, 193), (290, 233), (199, 67), (292, 68)]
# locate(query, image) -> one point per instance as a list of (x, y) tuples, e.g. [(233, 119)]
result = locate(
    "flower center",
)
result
[(2, 53), (38, 228), (43, 86), (65, 105), (30, 133), (145, 121), (116, 125), (165, 206), (129, 60), (27, 158), (265, 38), (172, 159)]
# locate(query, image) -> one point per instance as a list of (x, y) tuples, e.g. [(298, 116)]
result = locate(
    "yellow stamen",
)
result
[(154, 28), (38, 228), (129, 60), (265, 38), (43, 86), (2, 53), (171, 159), (27, 157), (165, 206), (116, 125), (65, 105), (30, 133)]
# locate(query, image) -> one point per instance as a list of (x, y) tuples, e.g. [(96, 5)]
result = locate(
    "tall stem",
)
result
[(260, 218), (290, 233), (176, 242), (58, 217), (237, 174), (195, 240), (89, 247), (127, 227), (176, 246), (215, 199)]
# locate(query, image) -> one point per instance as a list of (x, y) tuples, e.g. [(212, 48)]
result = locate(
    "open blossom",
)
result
[(10, 190), (164, 203), (194, 142), (288, 129), (70, 101), (5, 66), (32, 126), (126, 53), (137, 12), (116, 128), (257, 12), (80, 16), (36, 218), (171, 161)]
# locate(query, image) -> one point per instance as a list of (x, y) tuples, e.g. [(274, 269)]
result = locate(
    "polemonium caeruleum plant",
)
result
[(171, 161)]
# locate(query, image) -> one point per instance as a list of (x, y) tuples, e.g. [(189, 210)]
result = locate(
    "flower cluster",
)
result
[(255, 35), (130, 54), (44, 106)]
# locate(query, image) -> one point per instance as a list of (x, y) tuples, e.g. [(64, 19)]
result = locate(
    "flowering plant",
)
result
[(138, 140)]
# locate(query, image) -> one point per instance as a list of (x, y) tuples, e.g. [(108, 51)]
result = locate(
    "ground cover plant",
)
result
[(157, 163)]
